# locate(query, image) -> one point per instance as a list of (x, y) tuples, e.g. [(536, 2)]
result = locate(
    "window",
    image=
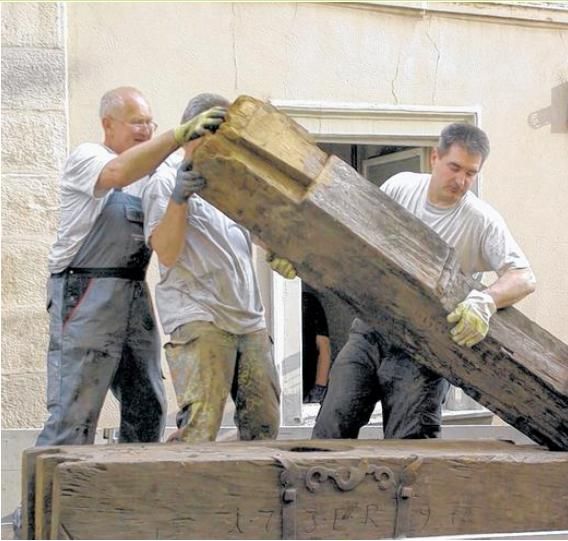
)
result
[(379, 169)]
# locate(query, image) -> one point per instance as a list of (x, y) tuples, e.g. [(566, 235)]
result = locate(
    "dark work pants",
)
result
[(365, 372)]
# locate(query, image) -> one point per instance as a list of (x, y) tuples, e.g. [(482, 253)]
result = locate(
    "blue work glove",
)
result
[(316, 394), (188, 182), (472, 316), (199, 125)]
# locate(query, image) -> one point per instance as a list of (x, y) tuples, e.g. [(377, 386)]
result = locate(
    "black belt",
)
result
[(108, 272)]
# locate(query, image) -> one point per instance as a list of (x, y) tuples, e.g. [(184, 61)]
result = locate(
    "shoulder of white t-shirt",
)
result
[(82, 155), (162, 181), (405, 179), (86, 151), (173, 160), (408, 176), (480, 207), (90, 149), (164, 170)]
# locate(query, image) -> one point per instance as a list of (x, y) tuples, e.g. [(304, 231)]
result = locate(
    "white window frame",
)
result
[(422, 153)]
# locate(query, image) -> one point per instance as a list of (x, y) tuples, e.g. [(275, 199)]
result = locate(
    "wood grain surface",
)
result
[(343, 234)]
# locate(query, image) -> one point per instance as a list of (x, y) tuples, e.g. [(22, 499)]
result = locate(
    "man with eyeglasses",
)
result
[(102, 329)]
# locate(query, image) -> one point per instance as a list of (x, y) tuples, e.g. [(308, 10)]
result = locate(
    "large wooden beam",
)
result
[(343, 234), (308, 490), (28, 486)]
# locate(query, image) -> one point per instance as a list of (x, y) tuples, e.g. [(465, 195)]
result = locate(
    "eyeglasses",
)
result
[(138, 124)]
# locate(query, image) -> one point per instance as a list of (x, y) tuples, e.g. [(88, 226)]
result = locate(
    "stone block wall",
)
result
[(34, 147)]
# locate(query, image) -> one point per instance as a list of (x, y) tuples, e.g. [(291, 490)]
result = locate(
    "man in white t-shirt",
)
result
[(102, 328), (369, 368), (209, 303)]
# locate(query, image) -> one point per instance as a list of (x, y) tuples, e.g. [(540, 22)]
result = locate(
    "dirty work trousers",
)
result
[(206, 364), (367, 370), (102, 335)]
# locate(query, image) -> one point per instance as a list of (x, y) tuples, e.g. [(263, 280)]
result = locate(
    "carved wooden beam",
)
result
[(343, 234), (306, 490)]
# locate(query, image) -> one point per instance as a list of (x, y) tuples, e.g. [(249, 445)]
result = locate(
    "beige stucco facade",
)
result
[(501, 62)]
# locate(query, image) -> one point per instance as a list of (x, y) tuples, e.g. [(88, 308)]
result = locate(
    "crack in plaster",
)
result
[(438, 55), (235, 62), (564, 77), (287, 50), (393, 89)]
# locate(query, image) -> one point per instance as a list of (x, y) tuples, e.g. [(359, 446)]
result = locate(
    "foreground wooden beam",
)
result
[(303, 489), (343, 234)]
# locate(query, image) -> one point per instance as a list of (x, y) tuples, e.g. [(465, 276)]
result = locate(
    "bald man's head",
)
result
[(114, 99), (126, 117)]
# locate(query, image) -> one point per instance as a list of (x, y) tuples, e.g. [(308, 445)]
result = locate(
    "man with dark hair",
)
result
[(209, 303), (369, 368)]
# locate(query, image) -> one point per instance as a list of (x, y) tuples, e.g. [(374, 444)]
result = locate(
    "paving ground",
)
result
[(7, 532)]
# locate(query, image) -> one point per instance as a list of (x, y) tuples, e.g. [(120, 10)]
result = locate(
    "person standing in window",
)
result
[(316, 351)]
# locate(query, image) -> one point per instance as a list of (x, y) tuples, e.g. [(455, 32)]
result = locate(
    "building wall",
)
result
[(507, 68), (34, 146), (350, 53)]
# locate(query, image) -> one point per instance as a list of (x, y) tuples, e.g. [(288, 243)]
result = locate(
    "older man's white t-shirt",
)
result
[(80, 208)]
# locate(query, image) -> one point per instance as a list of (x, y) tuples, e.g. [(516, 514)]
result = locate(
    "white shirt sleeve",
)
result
[(500, 249), (156, 196), (83, 169), (391, 185), (79, 206)]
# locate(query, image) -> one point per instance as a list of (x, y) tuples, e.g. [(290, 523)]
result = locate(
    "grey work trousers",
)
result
[(102, 335), (363, 373)]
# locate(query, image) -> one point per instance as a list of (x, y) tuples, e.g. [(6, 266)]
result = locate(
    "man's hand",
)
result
[(188, 182), (176, 436), (472, 317), (207, 121), (281, 266), (316, 394)]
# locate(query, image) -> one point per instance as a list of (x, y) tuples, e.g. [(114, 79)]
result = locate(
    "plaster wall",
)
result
[(355, 53), (323, 53)]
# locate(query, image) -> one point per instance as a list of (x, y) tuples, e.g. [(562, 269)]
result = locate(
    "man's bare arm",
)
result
[(324, 359), (513, 286), (136, 162), (168, 237)]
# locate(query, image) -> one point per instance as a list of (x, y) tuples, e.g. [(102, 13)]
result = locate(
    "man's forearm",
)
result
[(324, 360), (168, 238), (512, 287), (136, 162)]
